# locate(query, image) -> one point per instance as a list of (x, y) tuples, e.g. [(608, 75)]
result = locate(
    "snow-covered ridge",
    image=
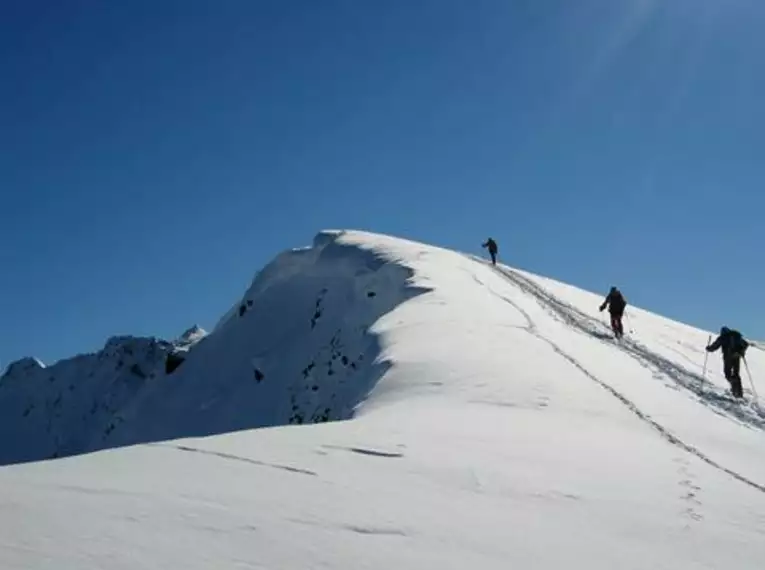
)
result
[(69, 406), (23, 366), (296, 348), (300, 346)]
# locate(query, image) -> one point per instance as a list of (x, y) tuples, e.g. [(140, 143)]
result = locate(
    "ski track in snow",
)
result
[(576, 319), (232, 457), (709, 396), (362, 529), (375, 531), (375, 453), (680, 353), (367, 451)]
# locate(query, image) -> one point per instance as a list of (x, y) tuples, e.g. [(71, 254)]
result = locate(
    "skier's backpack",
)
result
[(618, 302), (738, 343)]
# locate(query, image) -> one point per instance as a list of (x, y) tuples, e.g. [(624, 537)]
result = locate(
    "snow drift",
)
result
[(494, 423)]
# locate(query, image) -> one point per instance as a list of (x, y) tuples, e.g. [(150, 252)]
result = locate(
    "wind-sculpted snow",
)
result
[(300, 348)]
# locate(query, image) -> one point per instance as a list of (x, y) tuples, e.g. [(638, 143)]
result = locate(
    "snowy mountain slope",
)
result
[(496, 426), (51, 411), (301, 348), (297, 348), (75, 404), (668, 358)]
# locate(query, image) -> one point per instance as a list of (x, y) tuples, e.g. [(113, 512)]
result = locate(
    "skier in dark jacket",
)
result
[(616, 304), (492, 245), (733, 350)]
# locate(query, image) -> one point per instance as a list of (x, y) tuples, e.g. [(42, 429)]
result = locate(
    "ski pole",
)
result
[(629, 323), (751, 382), (706, 359)]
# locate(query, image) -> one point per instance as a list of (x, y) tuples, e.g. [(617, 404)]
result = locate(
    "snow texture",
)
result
[(491, 421)]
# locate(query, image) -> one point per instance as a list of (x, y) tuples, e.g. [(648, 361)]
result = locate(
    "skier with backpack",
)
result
[(733, 350), (492, 245), (616, 304)]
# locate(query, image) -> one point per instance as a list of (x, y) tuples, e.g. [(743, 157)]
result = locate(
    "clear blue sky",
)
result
[(155, 154)]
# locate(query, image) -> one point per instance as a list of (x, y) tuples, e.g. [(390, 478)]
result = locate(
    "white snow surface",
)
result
[(489, 420)]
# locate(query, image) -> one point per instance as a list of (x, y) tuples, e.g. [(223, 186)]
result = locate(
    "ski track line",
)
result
[(664, 432), (547, 300), (668, 345), (718, 403), (367, 451), (232, 457)]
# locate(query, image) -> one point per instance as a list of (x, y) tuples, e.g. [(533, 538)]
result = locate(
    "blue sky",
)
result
[(155, 154)]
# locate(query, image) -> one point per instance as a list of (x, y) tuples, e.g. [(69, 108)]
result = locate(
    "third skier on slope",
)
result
[(616, 304), (733, 350), (492, 245)]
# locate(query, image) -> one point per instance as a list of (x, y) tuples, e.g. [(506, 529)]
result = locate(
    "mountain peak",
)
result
[(193, 334), (22, 366)]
